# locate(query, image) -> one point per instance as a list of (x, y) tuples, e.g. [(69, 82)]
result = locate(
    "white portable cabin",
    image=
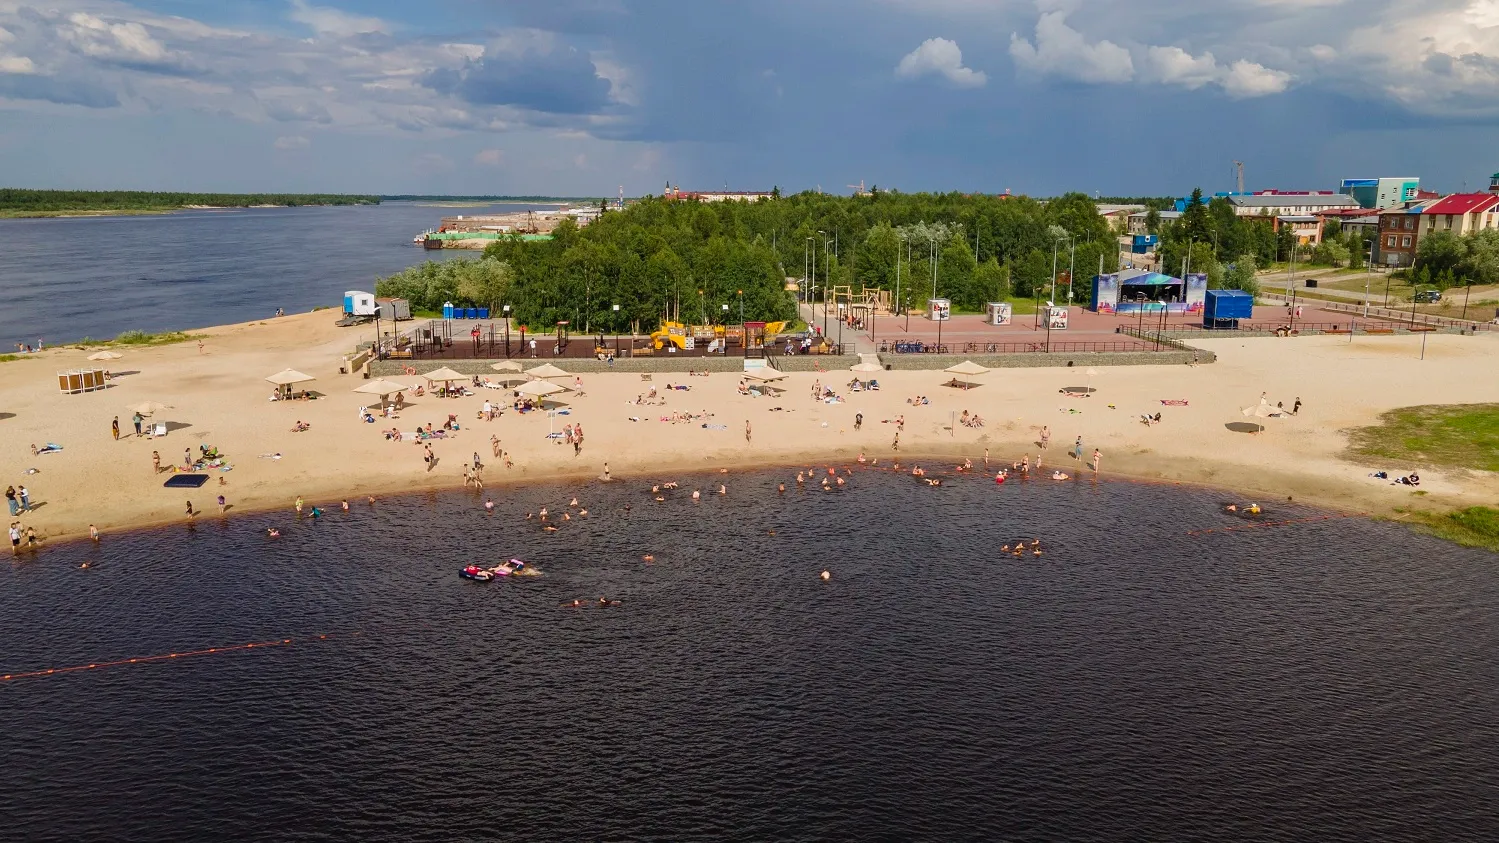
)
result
[(357, 303)]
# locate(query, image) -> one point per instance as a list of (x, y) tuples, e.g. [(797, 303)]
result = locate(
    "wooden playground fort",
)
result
[(462, 339)]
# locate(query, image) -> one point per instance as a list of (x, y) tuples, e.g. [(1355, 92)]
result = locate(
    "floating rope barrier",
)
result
[(257, 645), (1256, 525)]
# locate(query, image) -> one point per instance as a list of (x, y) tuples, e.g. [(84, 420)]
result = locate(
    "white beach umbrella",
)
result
[(967, 367), (506, 366), (287, 377), (539, 388), (866, 368), (547, 370), (445, 375), (381, 388), (765, 375), (146, 408), (105, 355)]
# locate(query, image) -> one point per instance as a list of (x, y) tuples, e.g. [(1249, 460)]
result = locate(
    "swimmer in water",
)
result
[(371, 500), (648, 558), (582, 513), (841, 482), (655, 490), (1254, 509), (1230, 508), (696, 495), (317, 513), (84, 565), (1057, 475), (799, 479), (724, 490), (529, 516), (861, 458), (825, 576), (345, 506), (781, 488), (543, 514), (488, 505), (660, 499), (576, 604), (573, 502), (550, 528), (1036, 552), (272, 532), (566, 517)]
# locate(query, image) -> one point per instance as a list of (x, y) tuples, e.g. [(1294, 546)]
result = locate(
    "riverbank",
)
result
[(219, 397)]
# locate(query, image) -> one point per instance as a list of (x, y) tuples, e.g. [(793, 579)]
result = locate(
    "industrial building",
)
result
[(1382, 193)]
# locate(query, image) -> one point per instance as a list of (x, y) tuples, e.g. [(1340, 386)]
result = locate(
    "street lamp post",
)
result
[(827, 281), (507, 330), (616, 331), (725, 348), (840, 327), (1467, 291)]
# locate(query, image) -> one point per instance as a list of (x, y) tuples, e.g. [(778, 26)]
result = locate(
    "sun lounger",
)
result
[(159, 429)]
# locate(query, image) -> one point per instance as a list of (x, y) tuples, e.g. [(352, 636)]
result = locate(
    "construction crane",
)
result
[(1239, 168), (858, 189)]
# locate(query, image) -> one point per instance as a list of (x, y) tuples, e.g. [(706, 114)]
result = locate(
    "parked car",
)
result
[(1428, 296)]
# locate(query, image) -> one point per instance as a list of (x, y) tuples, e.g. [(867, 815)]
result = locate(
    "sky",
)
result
[(583, 97)]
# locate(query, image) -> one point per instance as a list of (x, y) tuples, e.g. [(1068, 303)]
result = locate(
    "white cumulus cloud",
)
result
[(16, 64), (941, 57), (490, 157), (1247, 79), (1175, 66), (329, 21), (1060, 50), (289, 142)]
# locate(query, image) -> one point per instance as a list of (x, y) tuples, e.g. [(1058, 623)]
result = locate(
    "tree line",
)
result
[(20, 201)]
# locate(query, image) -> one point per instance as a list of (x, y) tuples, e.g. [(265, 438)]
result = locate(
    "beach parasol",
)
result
[(287, 377), (105, 355), (547, 370), (506, 366), (539, 388), (967, 367), (865, 368), (765, 375), (380, 387), (445, 375), (146, 408), (1260, 411)]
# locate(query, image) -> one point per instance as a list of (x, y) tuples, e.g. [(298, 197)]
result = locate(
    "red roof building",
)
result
[(1461, 213)]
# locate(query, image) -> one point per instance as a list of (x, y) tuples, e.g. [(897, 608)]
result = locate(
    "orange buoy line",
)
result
[(1262, 524), (56, 671)]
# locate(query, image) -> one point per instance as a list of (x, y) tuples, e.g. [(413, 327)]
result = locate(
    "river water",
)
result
[(66, 279), (1328, 681)]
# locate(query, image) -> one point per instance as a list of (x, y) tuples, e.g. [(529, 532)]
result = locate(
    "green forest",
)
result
[(19, 202), (661, 259)]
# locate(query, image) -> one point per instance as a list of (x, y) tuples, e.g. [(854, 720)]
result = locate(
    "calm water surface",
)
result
[(1328, 681), (65, 279)]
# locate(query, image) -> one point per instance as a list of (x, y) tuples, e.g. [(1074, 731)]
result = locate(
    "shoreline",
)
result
[(219, 398)]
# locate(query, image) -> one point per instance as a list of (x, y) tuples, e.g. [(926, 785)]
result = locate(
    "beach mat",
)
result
[(185, 481)]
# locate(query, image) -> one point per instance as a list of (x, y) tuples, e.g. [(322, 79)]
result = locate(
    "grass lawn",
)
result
[(1454, 435), (1476, 526)]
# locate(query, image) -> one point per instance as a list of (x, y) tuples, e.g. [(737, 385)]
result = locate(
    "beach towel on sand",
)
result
[(1174, 402), (716, 426)]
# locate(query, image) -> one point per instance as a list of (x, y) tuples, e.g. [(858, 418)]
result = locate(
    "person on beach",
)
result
[(489, 506), (858, 420), (24, 497), (10, 500), (93, 532), (190, 514), (1097, 457), (1077, 449), (344, 505), (15, 538), (494, 445), (746, 431), (895, 446), (1296, 408), (114, 427), (136, 420), (155, 462), (299, 504), (1045, 436), (223, 504)]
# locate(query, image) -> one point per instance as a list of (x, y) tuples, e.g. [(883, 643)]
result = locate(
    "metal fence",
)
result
[(1037, 346)]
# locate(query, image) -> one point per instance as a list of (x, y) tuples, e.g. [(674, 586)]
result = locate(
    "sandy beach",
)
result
[(219, 397)]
